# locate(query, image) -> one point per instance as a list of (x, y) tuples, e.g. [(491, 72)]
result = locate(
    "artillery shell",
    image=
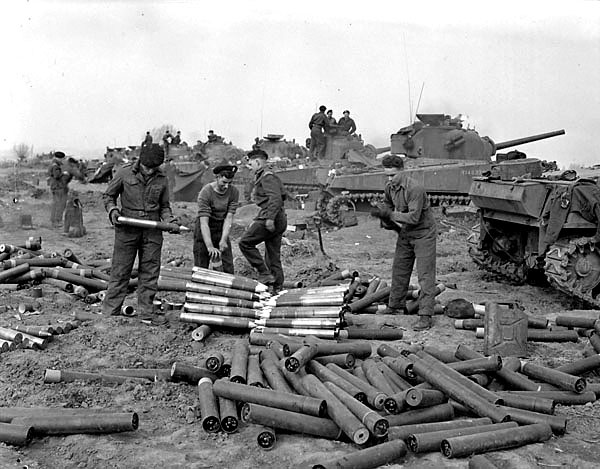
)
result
[(190, 374), (554, 377), (558, 423), (402, 432), (543, 335), (293, 379), (477, 365), (345, 360), (375, 397), (265, 437), (595, 341), (214, 362), (15, 435), (216, 320), (201, 333), (385, 350), (218, 291), (274, 375), (239, 363), (575, 321), (228, 414), (211, 422), (301, 357), (254, 375), (460, 446), (325, 374), (416, 397), (10, 334), (74, 424), (374, 456), (360, 349), (445, 355), (581, 366), (558, 397), (401, 365), (479, 461), (281, 350)]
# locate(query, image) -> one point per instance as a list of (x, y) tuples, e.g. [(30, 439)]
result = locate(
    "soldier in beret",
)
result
[(58, 180), (269, 225), (217, 203), (143, 190), (406, 210)]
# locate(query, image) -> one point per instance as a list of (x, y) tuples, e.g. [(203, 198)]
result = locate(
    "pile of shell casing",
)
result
[(32, 337), (27, 263), (19, 425)]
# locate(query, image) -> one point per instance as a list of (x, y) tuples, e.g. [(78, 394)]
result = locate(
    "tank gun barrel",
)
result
[(532, 138), (381, 150)]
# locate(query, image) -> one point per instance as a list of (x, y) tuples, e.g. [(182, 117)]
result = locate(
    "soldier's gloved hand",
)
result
[(113, 215), (385, 211), (270, 225)]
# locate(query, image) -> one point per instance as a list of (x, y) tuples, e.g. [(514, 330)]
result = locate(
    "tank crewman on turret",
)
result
[(406, 210), (58, 180), (346, 124), (217, 203), (147, 140), (318, 124), (144, 193), (269, 225), (176, 140), (212, 137)]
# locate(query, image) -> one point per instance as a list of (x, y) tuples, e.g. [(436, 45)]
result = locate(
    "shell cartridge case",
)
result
[(80, 272), (543, 335), (216, 320), (152, 374), (254, 375), (397, 383), (24, 307), (293, 284), (459, 446), (66, 286), (92, 298), (225, 369), (360, 349), (209, 277), (9, 286), (97, 273), (352, 289), (63, 376), (445, 355), (477, 365), (479, 461), (371, 309), (595, 341), (239, 362), (402, 432), (306, 323), (426, 442), (10, 334), (465, 396), (319, 291), (313, 301), (75, 424), (558, 423), (37, 331), (373, 284), (416, 397), (228, 414), (436, 413), (516, 380), (460, 379), (218, 310), (190, 374), (325, 374), (375, 423), (375, 456), (194, 297), (537, 323), (69, 255), (167, 284), (211, 421), (13, 272), (201, 333), (8, 248), (15, 435), (597, 326), (268, 354), (89, 283), (294, 379), (33, 274), (581, 366), (281, 350), (468, 324), (265, 437), (558, 397), (375, 397), (379, 381), (371, 334), (128, 310), (557, 378), (274, 375), (152, 225), (285, 312), (532, 403), (214, 362), (359, 372), (322, 333), (380, 295), (301, 357), (257, 337), (401, 365), (344, 360), (271, 398), (80, 291), (341, 275), (6, 345), (575, 321), (337, 411), (385, 350), (291, 421), (35, 262)]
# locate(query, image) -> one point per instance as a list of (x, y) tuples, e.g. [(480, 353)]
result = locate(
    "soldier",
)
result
[(212, 137), (269, 225), (147, 140), (144, 193), (406, 210), (58, 180), (318, 124), (177, 139), (346, 124), (217, 203)]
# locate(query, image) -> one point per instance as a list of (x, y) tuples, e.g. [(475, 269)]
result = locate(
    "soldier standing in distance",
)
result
[(177, 139), (58, 180), (405, 209), (346, 124), (147, 140), (268, 226), (318, 124), (144, 193)]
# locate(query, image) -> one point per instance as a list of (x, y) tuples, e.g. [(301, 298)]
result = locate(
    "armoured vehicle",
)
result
[(440, 153), (539, 226), (280, 149)]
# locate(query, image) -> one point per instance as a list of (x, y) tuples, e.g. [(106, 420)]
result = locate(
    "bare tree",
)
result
[(22, 151)]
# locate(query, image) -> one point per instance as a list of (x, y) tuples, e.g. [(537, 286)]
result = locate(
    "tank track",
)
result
[(570, 268)]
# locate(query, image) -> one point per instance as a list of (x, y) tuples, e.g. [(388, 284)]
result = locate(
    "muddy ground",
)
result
[(170, 435)]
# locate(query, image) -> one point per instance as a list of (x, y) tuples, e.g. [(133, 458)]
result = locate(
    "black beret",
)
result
[(59, 154), (152, 156), (392, 161), (258, 154), (346, 111), (225, 168), (322, 108)]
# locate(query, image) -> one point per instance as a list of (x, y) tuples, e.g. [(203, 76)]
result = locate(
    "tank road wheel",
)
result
[(573, 267), (335, 208)]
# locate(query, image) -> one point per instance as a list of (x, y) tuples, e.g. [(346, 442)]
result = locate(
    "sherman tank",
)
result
[(279, 149), (440, 153), (536, 226)]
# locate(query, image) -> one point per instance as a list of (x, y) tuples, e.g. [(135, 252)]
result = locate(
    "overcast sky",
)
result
[(79, 76)]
